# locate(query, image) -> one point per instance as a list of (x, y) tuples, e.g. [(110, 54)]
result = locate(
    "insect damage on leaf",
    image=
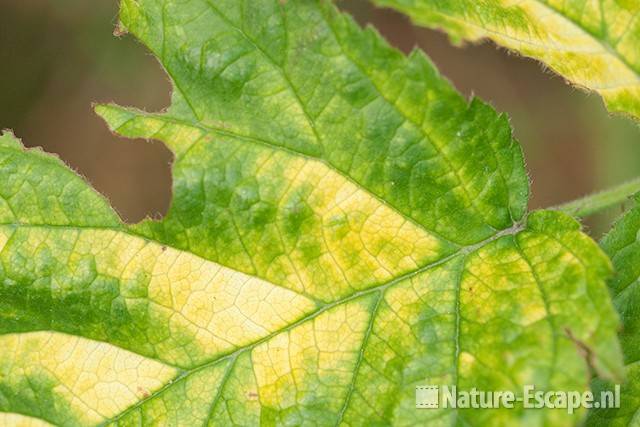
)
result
[(344, 227), (593, 44)]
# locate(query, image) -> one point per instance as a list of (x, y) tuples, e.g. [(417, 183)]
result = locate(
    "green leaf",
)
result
[(344, 227), (593, 44), (622, 244)]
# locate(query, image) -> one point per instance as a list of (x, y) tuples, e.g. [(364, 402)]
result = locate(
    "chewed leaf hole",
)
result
[(138, 181)]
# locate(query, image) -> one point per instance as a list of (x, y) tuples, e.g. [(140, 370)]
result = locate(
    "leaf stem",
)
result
[(601, 200)]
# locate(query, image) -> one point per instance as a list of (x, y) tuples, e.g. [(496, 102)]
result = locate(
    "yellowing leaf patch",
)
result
[(344, 227), (593, 44)]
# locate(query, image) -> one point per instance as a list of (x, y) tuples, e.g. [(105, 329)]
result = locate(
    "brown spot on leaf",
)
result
[(144, 392), (584, 350)]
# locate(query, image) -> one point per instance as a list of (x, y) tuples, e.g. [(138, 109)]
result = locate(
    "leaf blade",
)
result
[(591, 44), (431, 279), (621, 244)]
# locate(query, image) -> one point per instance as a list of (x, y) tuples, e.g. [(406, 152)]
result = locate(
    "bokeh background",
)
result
[(58, 57)]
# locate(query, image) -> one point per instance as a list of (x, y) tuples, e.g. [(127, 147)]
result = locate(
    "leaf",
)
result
[(344, 227), (593, 44), (622, 244)]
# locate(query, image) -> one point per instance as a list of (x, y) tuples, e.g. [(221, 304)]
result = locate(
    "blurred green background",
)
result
[(58, 57)]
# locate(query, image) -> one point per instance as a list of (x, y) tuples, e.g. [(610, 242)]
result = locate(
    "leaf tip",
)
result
[(113, 115), (120, 30)]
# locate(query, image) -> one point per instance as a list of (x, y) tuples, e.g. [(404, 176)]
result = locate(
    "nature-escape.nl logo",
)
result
[(435, 397)]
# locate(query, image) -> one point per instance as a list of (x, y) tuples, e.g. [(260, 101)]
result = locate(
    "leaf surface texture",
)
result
[(344, 227), (591, 43)]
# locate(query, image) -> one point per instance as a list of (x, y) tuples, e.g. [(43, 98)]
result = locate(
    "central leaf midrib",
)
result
[(184, 373), (232, 355)]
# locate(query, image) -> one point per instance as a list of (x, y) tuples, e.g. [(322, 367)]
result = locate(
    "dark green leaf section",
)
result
[(622, 244)]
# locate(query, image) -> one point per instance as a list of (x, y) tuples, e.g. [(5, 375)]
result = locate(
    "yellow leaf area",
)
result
[(344, 227), (592, 43), (185, 341)]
